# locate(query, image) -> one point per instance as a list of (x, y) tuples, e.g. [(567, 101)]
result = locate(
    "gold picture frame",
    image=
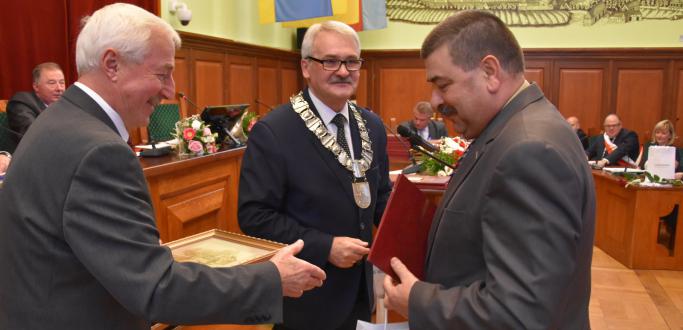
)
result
[(218, 248)]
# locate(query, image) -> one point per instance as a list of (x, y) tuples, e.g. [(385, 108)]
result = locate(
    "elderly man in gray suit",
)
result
[(78, 241), (510, 245)]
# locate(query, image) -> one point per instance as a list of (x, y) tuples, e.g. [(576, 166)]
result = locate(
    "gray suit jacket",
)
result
[(22, 109), (80, 248), (436, 129), (511, 244)]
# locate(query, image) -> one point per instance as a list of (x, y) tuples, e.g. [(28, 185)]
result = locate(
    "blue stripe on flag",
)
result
[(294, 10)]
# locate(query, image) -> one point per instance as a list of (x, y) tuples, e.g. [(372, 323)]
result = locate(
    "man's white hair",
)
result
[(123, 27), (332, 26)]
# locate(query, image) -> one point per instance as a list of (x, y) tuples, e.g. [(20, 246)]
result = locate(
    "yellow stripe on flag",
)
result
[(266, 9), (347, 11)]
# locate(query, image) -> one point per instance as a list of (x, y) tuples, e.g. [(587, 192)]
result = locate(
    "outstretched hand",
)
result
[(296, 275), (396, 294)]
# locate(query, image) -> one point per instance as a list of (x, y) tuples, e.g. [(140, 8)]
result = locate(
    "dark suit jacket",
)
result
[(510, 246), (80, 248), (583, 138), (291, 187), (679, 157), (436, 129), (627, 145), (22, 110)]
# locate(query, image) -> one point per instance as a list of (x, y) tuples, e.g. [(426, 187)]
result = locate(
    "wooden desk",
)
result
[(628, 223), (432, 186), (195, 194)]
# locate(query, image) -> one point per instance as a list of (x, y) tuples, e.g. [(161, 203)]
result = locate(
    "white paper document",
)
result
[(362, 325), (661, 161)]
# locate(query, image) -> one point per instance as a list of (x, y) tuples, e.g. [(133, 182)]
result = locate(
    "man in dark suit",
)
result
[(422, 123), (510, 245), (583, 138), (24, 107), (303, 164), (78, 240), (618, 146)]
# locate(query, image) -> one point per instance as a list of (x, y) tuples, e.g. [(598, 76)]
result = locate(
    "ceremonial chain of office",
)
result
[(316, 126)]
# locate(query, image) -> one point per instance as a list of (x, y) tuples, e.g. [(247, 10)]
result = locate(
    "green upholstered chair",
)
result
[(162, 122), (6, 138)]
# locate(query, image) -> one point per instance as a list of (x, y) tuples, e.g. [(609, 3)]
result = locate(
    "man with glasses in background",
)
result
[(316, 169), (617, 146)]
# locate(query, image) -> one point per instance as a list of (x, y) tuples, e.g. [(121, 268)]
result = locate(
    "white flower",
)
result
[(196, 124), (451, 144)]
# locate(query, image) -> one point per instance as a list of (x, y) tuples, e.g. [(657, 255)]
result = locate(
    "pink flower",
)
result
[(207, 131), (188, 134), (252, 122), (211, 148), (195, 146)]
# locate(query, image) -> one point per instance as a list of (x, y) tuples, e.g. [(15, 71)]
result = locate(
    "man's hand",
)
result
[(602, 163), (346, 251), (296, 275), (396, 295), (4, 163)]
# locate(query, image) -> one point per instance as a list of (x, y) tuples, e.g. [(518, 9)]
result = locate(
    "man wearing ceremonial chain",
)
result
[(316, 169)]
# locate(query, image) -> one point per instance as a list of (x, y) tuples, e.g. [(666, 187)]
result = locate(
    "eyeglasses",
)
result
[(335, 64), (445, 110), (612, 126)]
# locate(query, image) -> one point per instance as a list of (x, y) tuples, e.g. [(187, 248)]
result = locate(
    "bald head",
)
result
[(612, 125), (574, 123)]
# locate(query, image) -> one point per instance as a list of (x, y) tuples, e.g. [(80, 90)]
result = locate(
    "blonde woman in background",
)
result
[(664, 134)]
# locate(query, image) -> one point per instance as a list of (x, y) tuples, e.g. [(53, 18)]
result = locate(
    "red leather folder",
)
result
[(404, 229)]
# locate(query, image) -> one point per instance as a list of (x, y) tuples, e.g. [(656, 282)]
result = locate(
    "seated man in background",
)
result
[(422, 123), (574, 123), (620, 146), (5, 157), (24, 107)]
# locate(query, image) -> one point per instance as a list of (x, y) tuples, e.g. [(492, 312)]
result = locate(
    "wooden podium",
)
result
[(637, 225), (193, 195)]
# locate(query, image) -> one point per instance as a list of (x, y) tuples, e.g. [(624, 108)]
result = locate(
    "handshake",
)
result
[(296, 275)]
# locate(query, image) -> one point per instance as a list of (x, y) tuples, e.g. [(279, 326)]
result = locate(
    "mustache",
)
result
[(338, 80), (446, 110)]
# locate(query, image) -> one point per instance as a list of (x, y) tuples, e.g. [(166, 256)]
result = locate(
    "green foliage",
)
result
[(431, 166)]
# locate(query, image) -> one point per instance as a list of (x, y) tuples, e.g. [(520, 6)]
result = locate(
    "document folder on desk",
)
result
[(404, 229)]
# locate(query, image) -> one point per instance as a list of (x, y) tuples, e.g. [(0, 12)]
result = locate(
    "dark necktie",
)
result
[(339, 120)]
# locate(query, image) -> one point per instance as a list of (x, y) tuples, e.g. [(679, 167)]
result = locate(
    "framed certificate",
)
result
[(218, 248)]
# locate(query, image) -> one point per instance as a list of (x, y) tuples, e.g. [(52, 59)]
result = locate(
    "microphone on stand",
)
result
[(415, 139), (419, 144), (257, 101), (414, 167), (184, 97)]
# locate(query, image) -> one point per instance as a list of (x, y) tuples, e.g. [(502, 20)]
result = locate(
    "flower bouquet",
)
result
[(248, 120), (194, 137), (450, 151)]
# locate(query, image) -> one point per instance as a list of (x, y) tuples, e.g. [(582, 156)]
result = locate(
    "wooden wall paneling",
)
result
[(581, 90), (242, 79), (640, 95), (401, 89), (268, 82), (677, 117), (209, 78), (181, 76), (290, 82), (403, 83), (539, 71), (362, 89)]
